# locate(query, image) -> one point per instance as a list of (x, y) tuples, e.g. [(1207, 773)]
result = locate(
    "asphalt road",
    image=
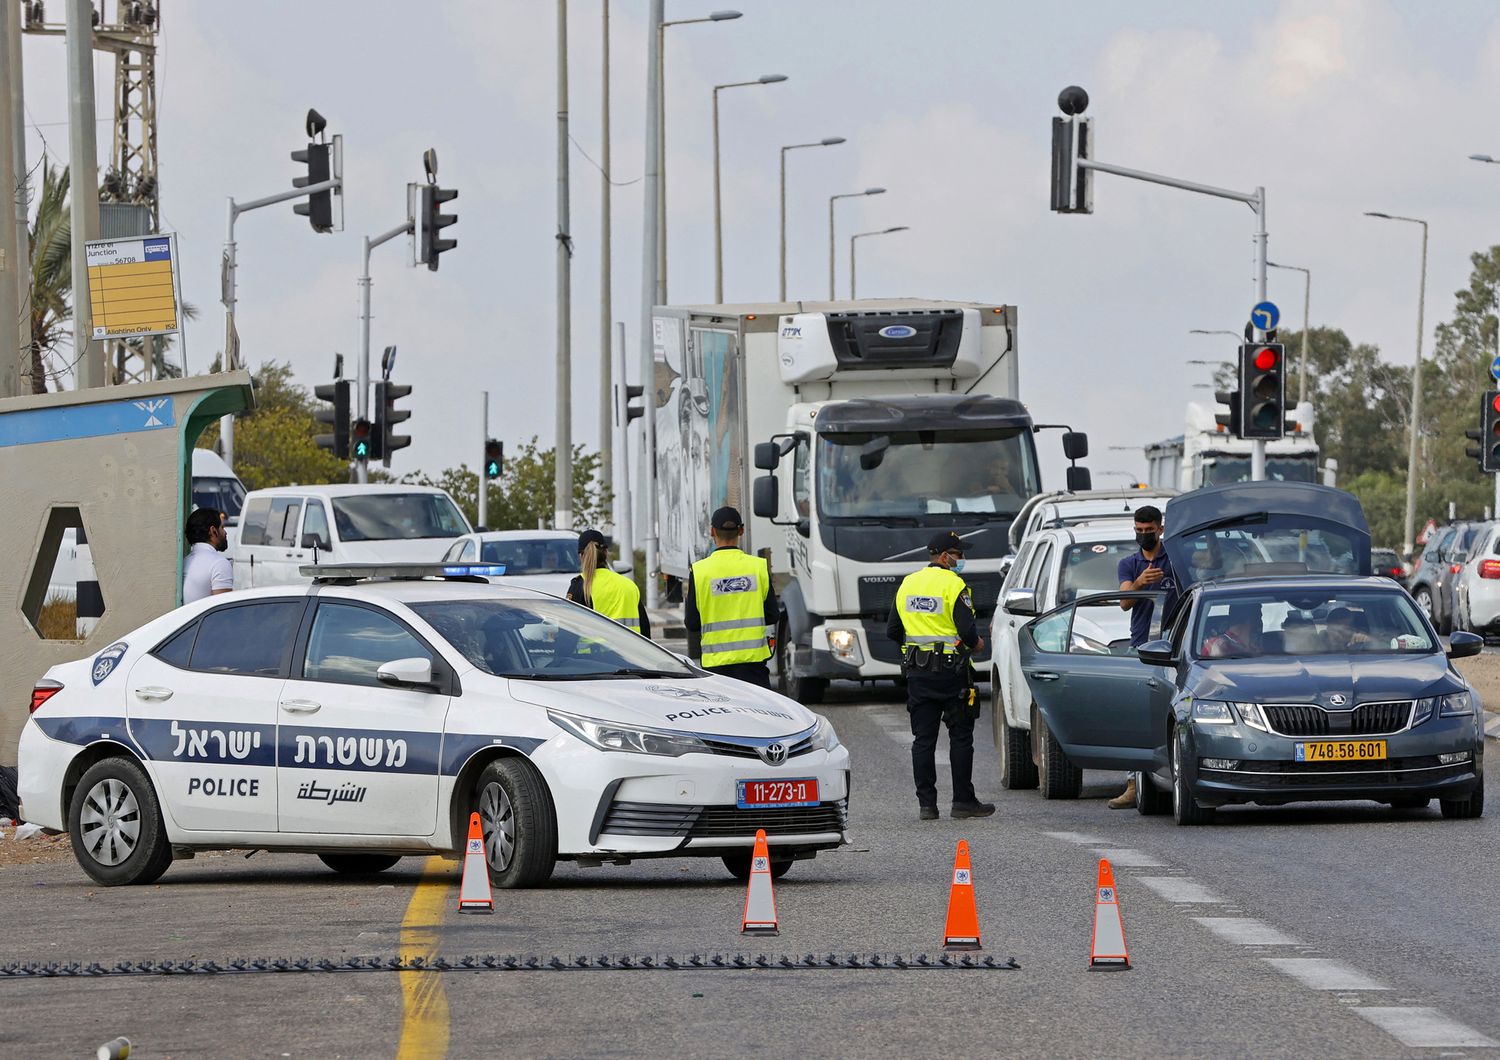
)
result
[(1341, 930)]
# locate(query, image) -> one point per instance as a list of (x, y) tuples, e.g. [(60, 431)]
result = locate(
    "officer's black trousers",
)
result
[(755, 673), (928, 695)]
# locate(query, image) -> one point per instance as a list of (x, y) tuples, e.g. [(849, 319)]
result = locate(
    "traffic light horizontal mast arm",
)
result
[(334, 184), (371, 242), (1250, 198)]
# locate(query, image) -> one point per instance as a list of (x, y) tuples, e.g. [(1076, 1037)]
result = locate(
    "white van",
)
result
[(215, 485), (288, 527)]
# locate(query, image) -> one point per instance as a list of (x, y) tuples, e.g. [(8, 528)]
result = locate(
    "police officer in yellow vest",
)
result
[(933, 621), (612, 595), (729, 608)]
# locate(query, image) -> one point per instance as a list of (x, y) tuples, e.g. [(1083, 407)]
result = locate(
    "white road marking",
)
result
[(1077, 837), (1128, 859), (1420, 1027), (1245, 931), (1181, 889), (1320, 973)]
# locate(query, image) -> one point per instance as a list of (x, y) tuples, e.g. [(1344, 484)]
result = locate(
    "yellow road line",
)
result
[(424, 1006)]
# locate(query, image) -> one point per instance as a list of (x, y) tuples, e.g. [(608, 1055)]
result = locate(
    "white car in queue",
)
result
[(538, 559), (365, 716)]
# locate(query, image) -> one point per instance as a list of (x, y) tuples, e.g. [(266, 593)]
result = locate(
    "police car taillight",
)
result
[(45, 689)]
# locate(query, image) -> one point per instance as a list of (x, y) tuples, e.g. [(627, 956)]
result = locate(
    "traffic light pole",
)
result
[(484, 465), (1256, 200), (624, 502), (362, 379)]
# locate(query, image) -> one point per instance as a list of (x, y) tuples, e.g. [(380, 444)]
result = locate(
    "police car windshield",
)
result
[(929, 476), (546, 640), (396, 516)]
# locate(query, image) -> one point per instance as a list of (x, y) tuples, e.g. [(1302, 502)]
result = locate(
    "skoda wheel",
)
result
[(1149, 799), (518, 822), (1185, 809), (1462, 809), (115, 822)]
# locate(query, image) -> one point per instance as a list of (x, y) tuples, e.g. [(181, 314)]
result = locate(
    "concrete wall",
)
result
[(121, 456)]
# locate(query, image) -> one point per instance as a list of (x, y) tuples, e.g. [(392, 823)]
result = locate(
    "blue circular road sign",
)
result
[(1495, 368), (1265, 316)]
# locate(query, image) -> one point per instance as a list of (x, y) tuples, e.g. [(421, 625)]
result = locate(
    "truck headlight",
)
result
[(844, 643), (1211, 712), (608, 736), (825, 739)]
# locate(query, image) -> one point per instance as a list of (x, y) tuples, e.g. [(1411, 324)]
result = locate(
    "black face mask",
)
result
[(1146, 541)]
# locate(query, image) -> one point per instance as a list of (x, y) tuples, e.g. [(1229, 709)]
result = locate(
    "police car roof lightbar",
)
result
[(365, 572)]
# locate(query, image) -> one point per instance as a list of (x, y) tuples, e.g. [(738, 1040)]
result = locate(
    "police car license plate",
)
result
[(1341, 751), (757, 794)]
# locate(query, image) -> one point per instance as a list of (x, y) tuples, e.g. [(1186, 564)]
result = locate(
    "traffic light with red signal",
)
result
[(1262, 391), (1488, 434)]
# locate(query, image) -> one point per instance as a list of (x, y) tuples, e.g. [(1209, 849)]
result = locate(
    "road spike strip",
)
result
[(760, 899), (962, 931), (474, 891), (1108, 948)]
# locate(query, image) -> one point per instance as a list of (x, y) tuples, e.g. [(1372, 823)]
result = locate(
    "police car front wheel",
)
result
[(115, 822), (518, 822), (358, 864), (739, 866)]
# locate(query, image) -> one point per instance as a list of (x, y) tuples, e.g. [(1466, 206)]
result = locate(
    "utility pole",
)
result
[(563, 455), (12, 368), (606, 306), (83, 167), (10, 11), (648, 296), (623, 501)]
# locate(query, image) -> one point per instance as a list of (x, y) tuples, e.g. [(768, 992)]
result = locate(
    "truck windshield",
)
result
[(395, 516), (1222, 469), (926, 475)]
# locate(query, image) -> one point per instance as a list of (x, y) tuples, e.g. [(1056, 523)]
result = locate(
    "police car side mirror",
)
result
[(1020, 602), (406, 673), (1156, 653)]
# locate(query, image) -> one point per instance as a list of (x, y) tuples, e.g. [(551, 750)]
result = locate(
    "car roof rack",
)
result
[(352, 573)]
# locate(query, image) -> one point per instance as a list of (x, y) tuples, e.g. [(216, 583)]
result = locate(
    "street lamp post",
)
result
[(1306, 301), (831, 200), (1492, 161), (828, 141), (1416, 388), (766, 79), (661, 140), (862, 235)]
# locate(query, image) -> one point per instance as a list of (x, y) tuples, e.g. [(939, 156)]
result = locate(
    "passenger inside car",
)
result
[(1347, 630)]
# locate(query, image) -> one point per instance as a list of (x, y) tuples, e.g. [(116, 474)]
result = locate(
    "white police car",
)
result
[(366, 716)]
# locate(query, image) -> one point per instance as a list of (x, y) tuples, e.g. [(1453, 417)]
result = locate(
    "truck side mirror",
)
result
[(766, 500), (767, 456), (1079, 480), (1075, 446)]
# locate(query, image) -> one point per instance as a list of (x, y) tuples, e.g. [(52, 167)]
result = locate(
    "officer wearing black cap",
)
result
[(933, 621), (612, 595), (729, 608)]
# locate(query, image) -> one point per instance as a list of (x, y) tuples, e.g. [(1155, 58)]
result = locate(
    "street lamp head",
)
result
[(829, 141), (874, 191), (429, 164), (1481, 158), (725, 16), (1377, 213), (1072, 100), (316, 123), (898, 228), (771, 79)]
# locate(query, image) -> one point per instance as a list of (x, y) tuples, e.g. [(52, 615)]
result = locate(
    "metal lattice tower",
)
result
[(130, 178)]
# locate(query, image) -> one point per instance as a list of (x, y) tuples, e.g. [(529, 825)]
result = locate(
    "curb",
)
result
[(1492, 726)]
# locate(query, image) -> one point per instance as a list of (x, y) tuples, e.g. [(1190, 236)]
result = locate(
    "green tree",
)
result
[(51, 276), (524, 497), (274, 444)]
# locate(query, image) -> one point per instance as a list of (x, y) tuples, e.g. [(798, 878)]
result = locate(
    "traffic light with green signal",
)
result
[(494, 459)]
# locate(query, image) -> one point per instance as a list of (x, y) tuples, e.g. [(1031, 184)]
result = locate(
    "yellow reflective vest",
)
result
[(731, 587), (926, 599), (616, 596)]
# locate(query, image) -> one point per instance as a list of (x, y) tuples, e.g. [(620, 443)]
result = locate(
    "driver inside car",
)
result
[(1347, 630), (1240, 635)]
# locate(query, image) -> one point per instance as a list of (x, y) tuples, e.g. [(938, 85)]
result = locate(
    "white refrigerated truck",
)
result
[(874, 424), (1208, 455)]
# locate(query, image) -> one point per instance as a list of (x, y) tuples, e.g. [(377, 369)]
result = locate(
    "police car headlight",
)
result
[(609, 736), (824, 738)]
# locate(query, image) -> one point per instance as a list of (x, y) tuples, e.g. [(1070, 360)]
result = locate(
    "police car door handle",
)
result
[(300, 706), (1045, 675), (153, 694)]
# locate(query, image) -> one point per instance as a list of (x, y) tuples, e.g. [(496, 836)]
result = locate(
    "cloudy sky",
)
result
[(1335, 106)]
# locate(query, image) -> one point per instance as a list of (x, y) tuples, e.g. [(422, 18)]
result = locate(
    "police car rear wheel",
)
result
[(739, 866), (116, 826), (519, 826), (358, 864)]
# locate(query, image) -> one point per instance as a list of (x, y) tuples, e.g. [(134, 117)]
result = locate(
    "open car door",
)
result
[(1102, 703)]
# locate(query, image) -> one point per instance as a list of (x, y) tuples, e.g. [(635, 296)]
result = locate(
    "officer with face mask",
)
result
[(932, 619)]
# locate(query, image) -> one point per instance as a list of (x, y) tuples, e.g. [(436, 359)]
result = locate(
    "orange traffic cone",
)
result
[(962, 932), (474, 891), (760, 900), (1109, 930)]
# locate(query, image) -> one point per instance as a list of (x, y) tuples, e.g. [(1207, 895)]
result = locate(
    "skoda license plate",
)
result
[(758, 794), (1341, 751)]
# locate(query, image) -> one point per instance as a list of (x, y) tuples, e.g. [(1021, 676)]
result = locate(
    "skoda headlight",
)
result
[(1211, 712), (610, 736), (1253, 716), (824, 738), (1456, 705)]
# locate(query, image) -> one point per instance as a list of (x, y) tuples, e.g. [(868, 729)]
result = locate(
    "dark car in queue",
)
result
[(1386, 562), (1275, 681)]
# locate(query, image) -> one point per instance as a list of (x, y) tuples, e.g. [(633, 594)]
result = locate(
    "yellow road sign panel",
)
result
[(134, 288)]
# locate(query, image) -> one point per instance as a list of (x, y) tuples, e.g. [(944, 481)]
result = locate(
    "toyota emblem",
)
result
[(1338, 699), (774, 754)]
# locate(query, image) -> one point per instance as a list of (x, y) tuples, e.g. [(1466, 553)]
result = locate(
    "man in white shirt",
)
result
[(206, 571)]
